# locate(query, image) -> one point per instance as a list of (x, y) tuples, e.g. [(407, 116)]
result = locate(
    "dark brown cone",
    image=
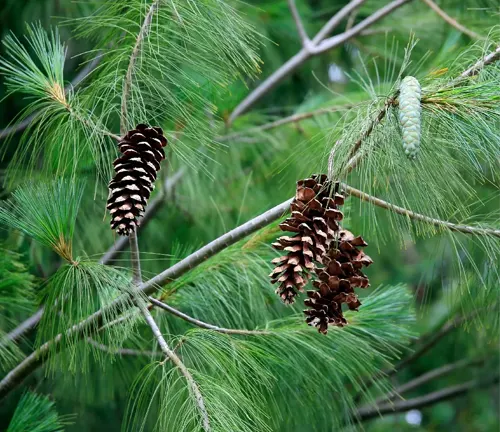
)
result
[(336, 282), (313, 222), (130, 188)]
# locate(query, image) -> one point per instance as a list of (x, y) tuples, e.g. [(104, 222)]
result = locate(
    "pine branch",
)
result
[(137, 279), (202, 324), (318, 45), (171, 355), (36, 359), (133, 58), (10, 130), (112, 253), (451, 21), (295, 118), (419, 217), (337, 40), (367, 413), (479, 65), (391, 100), (306, 42)]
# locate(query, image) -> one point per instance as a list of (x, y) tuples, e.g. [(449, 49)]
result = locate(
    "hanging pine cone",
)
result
[(336, 282), (136, 170), (314, 220)]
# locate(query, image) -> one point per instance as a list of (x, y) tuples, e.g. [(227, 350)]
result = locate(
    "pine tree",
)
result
[(394, 250)]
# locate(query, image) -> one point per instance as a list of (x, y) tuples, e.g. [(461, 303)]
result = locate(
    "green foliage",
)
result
[(73, 293), (186, 72), (46, 212), (62, 130), (250, 383), (170, 72), (16, 299), (16, 286), (37, 413)]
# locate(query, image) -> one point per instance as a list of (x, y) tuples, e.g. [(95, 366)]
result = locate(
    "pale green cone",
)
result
[(410, 115)]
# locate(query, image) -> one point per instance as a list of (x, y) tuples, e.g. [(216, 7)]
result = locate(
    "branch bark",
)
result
[(451, 21), (295, 118), (202, 324), (306, 42), (317, 46), (466, 229)]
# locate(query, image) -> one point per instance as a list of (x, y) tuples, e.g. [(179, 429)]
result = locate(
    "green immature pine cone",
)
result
[(410, 115)]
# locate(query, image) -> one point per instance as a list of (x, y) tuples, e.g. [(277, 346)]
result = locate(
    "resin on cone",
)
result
[(136, 170), (313, 222)]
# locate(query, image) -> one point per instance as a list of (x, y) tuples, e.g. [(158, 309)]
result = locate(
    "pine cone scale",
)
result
[(312, 228), (136, 170)]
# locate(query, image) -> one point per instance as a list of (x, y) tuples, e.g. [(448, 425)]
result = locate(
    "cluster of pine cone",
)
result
[(136, 171), (320, 249)]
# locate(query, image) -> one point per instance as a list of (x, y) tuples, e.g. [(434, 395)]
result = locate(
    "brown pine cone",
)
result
[(314, 220), (336, 282), (136, 170)]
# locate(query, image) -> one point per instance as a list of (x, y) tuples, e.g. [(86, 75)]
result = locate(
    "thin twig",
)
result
[(428, 376), (140, 303), (425, 344), (295, 118), (419, 217), (130, 69), (170, 354), (367, 413), (135, 259), (73, 84), (432, 340), (202, 324), (451, 21), (304, 39), (351, 19), (377, 120), (479, 65), (123, 351), (318, 45), (336, 19)]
